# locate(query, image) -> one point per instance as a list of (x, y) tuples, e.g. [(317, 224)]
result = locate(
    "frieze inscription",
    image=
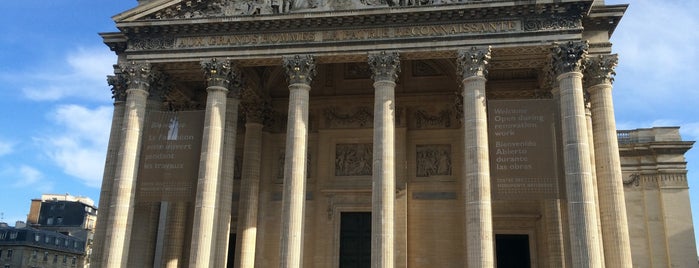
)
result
[(346, 35)]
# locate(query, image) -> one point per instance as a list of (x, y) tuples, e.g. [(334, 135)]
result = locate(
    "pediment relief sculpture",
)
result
[(186, 9)]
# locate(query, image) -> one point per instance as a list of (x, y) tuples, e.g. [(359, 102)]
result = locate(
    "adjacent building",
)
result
[(381, 133), (27, 247)]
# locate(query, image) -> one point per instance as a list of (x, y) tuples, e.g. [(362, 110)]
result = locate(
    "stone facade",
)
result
[(369, 134)]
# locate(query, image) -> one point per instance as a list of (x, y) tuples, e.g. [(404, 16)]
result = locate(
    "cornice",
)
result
[(655, 148), (604, 18)]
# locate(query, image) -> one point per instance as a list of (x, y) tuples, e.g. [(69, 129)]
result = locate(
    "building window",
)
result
[(49, 221), (46, 256), (73, 261), (37, 237), (65, 259), (9, 253), (2, 235), (0, 253), (59, 220), (13, 235), (58, 241), (34, 254), (55, 258)]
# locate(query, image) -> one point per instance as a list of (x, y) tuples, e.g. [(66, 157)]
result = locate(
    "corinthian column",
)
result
[(253, 107), (615, 229), (300, 70), (385, 67), (476, 182), (582, 219), (118, 83), (116, 248), (217, 76), (224, 201)]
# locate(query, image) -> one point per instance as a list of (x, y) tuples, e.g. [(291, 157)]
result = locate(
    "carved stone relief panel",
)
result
[(433, 160), (358, 117), (353, 159), (433, 117)]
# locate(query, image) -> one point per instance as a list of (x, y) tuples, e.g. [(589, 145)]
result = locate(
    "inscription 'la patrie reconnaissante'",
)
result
[(348, 35)]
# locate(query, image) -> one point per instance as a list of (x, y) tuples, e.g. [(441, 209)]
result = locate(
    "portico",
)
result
[(453, 125)]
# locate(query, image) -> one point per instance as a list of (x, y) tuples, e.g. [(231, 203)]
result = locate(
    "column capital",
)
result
[(118, 82), (218, 72), (300, 69), (137, 74), (385, 65), (473, 61), (254, 107), (600, 69), (567, 57)]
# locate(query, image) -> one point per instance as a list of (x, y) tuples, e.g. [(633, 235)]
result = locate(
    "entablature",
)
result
[(351, 34)]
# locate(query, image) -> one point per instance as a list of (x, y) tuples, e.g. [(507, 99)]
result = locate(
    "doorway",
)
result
[(355, 239), (512, 251)]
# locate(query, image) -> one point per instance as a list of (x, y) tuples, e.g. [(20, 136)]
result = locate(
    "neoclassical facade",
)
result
[(375, 133)]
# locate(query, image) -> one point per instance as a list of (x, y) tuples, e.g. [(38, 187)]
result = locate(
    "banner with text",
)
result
[(521, 135), (170, 151)]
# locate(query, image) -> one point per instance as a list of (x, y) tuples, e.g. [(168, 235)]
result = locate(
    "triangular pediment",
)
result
[(196, 9)]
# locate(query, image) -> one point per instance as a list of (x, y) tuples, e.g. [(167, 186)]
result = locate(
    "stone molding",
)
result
[(473, 62), (385, 66), (600, 69), (637, 181), (299, 68), (567, 57)]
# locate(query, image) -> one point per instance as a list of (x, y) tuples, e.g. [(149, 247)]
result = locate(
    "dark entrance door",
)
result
[(512, 250), (355, 239)]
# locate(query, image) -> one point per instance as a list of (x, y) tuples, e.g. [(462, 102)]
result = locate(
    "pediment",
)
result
[(197, 9), (203, 9)]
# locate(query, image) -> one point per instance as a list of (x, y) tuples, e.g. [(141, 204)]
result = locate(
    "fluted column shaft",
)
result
[(476, 181), (300, 70), (249, 196), (591, 146), (119, 94), (385, 67), (615, 229), (223, 217), (174, 247), (116, 248), (253, 107), (204, 229), (585, 243)]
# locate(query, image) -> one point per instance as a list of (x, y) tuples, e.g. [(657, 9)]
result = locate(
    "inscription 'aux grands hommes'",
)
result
[(348, 35)]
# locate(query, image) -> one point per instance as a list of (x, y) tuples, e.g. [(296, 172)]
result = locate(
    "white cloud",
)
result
[(6, 147), (24, 176), (79, 144), (82, 75), (690, 131)]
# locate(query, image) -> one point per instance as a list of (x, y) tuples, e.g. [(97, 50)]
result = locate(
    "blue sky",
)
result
[(55, 105)]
